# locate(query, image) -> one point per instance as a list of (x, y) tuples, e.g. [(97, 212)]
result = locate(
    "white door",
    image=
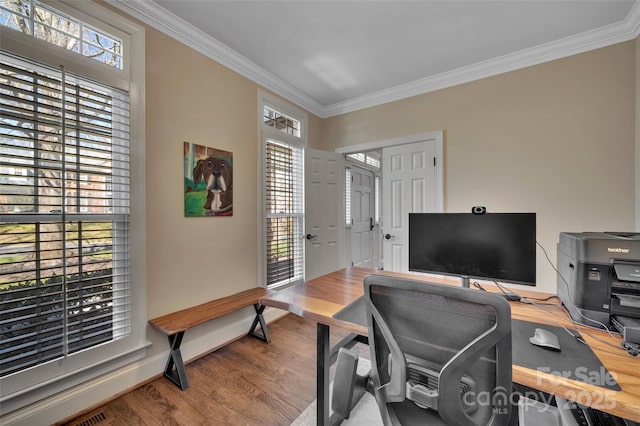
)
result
[(362, 226), (408, 186), (324, 212)]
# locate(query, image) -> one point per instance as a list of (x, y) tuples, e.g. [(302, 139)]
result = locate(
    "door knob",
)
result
[(309, 236), (388, 236)]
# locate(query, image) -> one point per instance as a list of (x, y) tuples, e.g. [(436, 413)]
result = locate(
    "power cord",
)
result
[(477, 285), (534, 302), (568, 287), (512, 297), (509, 295), (631, 349)]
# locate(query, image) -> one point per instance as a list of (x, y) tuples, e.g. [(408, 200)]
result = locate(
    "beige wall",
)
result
[(556, 139), (192, 98), (315, 132)]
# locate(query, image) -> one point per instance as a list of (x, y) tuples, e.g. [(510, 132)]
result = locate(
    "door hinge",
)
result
[(434, 161)]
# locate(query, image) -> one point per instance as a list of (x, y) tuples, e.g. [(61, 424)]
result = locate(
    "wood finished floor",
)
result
[(246, 382)]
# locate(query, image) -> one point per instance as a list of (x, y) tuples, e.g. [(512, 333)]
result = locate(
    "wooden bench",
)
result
[(176, 323)]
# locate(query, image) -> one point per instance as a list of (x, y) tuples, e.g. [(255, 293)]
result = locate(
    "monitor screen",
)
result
[(490, 246)]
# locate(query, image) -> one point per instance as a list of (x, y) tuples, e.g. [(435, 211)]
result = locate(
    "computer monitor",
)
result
[(490, 246)]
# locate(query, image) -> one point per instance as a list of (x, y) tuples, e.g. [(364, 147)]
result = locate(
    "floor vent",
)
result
[(94, 420)]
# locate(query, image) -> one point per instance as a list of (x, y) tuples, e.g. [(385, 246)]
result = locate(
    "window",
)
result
[(72, 297), (275, 119), (64, 276), (347, 195), (371, 159), (51, 25), (284, 212), (373, 162), (282, 165), (360, 157), (376, 197)]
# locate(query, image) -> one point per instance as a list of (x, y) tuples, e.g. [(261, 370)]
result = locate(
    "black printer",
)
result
[(599, 279)]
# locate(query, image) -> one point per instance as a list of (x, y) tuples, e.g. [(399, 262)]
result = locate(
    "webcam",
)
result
[(478, 210)]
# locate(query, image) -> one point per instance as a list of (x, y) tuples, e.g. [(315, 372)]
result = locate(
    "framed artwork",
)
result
[(208, 181)]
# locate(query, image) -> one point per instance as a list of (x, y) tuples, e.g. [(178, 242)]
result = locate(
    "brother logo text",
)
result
[(618, 250)]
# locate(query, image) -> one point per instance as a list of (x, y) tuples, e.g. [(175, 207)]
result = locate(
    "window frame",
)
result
[(265, 133), (377, 198), (348, 180), (35, 384), (96, 16), (58, 8)]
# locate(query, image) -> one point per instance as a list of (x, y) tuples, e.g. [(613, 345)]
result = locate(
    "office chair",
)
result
[(440, 355)]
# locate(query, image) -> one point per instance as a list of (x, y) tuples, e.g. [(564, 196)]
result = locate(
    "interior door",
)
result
[(324, 212), (362, 225), (408, 186)]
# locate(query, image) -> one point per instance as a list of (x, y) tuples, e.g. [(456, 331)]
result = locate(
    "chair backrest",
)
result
[(440, 354)]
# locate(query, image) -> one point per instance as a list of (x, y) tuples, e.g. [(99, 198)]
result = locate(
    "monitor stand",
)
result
[(464, 281)]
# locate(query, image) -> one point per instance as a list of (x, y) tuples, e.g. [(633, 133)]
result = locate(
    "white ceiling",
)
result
[(332, 57)]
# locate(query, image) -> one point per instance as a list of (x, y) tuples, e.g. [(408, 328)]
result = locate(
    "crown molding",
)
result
[(178, 29), (169, 24), (608, 35)]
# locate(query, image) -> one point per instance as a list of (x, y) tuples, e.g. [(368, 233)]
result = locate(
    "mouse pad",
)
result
[(575, 361)]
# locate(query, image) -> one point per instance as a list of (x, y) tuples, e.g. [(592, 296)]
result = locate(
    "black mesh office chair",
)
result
[(440, 355)]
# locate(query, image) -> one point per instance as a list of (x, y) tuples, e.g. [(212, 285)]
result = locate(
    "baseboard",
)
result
[(72, 402)]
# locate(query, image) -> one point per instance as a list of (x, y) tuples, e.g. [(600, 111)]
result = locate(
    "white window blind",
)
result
[(284, 215), (360, 156), (347, 195), (371, 159), (377, 199), (64, 215)]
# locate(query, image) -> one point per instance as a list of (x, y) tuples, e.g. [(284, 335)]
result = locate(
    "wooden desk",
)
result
[(319, 300)]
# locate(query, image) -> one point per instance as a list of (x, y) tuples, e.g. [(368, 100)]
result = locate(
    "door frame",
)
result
[(436, 136)]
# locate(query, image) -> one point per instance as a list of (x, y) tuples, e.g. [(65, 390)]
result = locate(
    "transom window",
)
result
[(46, 23), (371, 159), (277, 120)]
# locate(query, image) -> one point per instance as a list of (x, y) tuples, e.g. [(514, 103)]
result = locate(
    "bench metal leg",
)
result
[(178, 375), (259, 319), (175, 370)]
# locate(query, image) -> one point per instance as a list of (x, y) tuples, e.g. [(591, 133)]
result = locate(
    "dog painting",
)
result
[(208, 181)]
